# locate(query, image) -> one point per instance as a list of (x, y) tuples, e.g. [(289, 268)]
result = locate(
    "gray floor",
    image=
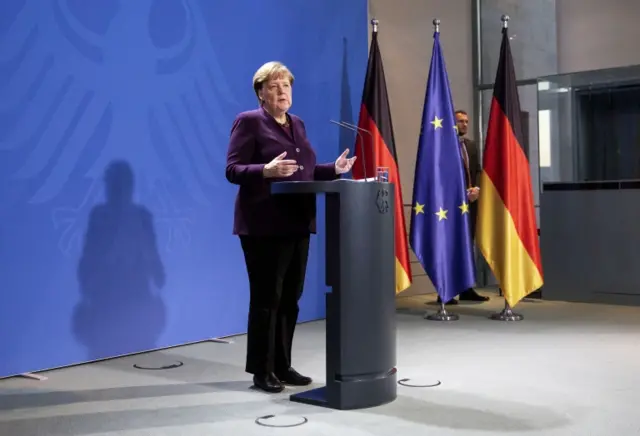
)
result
[(568, 369)]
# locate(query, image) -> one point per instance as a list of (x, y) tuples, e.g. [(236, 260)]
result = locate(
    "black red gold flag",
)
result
[(380, 151), (507, 232)]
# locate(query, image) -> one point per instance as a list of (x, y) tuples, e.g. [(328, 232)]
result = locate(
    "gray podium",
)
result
[(360, 269)]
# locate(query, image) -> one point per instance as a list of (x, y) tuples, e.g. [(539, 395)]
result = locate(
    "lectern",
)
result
[(360, 270)]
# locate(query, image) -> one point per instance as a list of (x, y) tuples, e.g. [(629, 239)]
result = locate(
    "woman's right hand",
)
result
[(279, 167)]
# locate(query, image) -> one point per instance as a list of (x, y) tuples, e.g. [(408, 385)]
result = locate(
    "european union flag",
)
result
[(440, 235)]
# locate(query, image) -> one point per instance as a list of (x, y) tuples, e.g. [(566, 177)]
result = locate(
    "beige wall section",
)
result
[(596, 34), (406, 41)]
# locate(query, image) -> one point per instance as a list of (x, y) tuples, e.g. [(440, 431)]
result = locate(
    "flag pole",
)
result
[(506, 314), (505, 21), (442, 314)]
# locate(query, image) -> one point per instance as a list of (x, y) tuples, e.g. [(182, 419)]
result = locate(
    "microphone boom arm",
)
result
[(357, 130)]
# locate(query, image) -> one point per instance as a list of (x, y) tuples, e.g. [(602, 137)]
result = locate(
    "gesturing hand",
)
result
[(279, 167), (343, 165)]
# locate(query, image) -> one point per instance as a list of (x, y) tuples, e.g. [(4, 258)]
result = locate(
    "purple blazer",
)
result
[(256, 139)]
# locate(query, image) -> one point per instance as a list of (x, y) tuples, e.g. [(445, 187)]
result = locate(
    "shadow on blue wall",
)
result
[(347, 139), (119, 263), (155, 86)]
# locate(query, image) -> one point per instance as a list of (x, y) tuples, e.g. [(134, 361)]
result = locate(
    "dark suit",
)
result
[(274, 231), (474, 169)]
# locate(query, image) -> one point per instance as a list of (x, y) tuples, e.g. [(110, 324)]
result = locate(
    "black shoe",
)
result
[(451, 302), (268, 383), (293, 378), (472, 295)]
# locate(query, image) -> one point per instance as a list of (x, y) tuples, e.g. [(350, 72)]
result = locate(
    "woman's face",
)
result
[(276, 95)]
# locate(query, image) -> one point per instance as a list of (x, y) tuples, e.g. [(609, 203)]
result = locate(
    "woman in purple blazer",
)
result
[(269, 144)]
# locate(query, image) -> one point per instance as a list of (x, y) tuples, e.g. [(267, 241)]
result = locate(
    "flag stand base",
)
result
[(506, 314), (442, 315)]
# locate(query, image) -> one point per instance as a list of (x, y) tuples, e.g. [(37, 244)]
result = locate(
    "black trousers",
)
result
[(276, 266), (473, 213)]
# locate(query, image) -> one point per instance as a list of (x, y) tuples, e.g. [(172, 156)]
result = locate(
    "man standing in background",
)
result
[(472, 169)]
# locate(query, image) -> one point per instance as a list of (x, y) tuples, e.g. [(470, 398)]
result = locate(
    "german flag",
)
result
[(506, 231), (375, 117)]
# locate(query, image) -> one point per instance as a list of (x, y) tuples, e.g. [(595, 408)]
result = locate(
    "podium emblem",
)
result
[(382, 201)]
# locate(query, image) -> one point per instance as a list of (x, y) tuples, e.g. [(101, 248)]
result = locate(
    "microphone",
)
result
[(359, 128), (356, 129), (353, 126)]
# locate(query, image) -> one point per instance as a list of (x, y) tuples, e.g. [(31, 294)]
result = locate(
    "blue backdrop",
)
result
[(115, 216)]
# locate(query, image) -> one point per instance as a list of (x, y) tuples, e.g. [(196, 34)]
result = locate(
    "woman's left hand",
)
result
[(344, 164)]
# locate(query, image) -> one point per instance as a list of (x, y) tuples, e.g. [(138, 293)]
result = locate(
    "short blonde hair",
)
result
[(270, 70)]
